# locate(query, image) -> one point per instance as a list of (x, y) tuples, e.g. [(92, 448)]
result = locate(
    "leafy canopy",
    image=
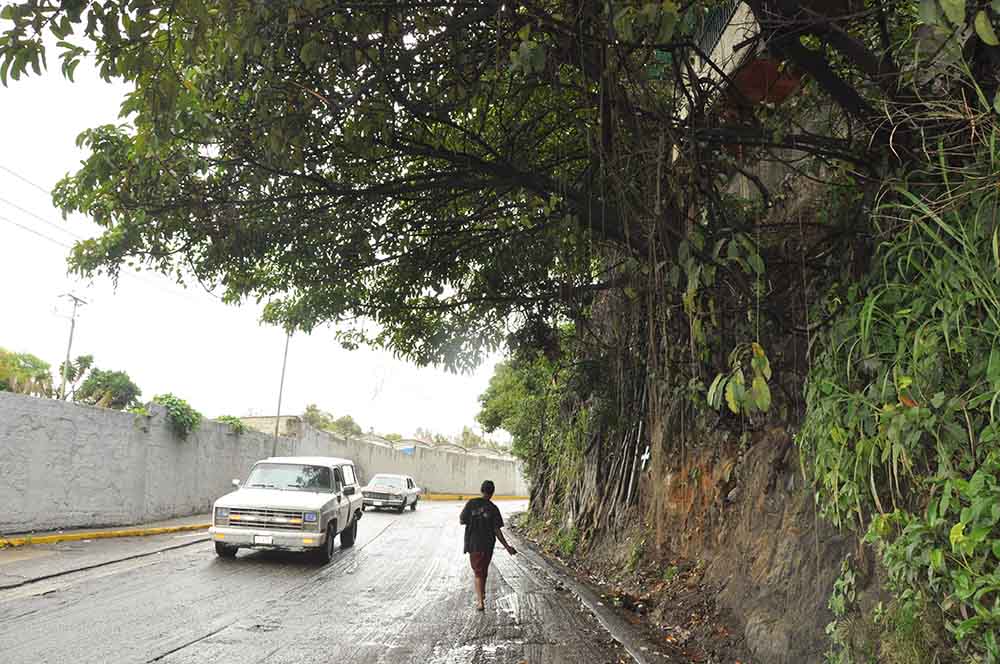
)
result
[(320, 419), (108, 389), (24, 373)]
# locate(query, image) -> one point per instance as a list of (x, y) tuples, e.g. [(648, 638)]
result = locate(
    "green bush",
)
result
[(183, 418), (235, 423), (902, 434), (566, 541)]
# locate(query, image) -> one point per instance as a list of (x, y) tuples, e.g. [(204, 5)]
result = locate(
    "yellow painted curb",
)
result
[(467, 496), (25, 540)]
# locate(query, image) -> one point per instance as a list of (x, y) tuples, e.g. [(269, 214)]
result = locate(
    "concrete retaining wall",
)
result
[(68, 466), (435, 471)]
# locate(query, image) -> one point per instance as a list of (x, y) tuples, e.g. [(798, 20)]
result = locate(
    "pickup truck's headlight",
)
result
[(222, 516), (310, 521)]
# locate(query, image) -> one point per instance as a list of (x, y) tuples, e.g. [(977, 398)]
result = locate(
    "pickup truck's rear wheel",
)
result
[(348, 536), (225, 551), (325, 553)]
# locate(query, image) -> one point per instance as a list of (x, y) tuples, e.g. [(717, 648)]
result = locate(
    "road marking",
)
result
[(26, 540)]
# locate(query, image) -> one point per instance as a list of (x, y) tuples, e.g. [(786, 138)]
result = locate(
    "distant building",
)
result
[(288, 425)]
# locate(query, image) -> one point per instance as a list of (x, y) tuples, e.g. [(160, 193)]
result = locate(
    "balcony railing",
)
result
[(714, 24)]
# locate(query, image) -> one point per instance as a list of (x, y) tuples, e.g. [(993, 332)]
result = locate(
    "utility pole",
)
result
[(72, 326), (281, 389)]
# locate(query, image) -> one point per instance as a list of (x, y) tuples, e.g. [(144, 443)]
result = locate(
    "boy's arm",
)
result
[(463, 518), (503, 540)]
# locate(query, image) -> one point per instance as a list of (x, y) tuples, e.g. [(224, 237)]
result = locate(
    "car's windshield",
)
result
[(388, 480), (290, 476)]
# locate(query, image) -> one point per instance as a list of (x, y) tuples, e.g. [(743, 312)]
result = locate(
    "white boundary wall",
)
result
[(63, 465)]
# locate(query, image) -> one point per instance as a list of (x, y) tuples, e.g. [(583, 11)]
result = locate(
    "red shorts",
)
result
[(480, 561)]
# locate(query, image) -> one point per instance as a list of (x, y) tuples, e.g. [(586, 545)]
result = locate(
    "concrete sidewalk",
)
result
[(196, 522)]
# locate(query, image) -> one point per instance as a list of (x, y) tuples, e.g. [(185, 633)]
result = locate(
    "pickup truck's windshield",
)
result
[(290, 476), (386, 480)]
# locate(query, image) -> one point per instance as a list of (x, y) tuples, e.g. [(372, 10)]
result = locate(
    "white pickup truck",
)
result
[(295, 503)]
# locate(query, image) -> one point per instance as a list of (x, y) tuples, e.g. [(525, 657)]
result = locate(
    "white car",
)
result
[(294, 503), (395, 491)]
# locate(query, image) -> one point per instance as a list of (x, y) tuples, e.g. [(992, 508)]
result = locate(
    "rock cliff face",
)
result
[(745, 523), (753, 522)]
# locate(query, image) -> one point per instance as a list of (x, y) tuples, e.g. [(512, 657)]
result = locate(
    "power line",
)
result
[(26, 180), (35, 232), (132, 275), (41, 219), (58, 227)]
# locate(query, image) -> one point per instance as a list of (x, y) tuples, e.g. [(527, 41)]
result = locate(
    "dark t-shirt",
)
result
[(481, 518)]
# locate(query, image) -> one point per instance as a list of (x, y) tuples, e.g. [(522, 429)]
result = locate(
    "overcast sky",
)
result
[(167, 338)]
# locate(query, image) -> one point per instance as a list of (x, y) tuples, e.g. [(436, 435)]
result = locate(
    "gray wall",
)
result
[(63, 465), (435, 471)]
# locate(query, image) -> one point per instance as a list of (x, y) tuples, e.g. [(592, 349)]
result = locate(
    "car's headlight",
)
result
[(310, 520), (221, 516)]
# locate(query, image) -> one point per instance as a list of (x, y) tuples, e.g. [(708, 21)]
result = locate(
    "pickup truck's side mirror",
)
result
[(348, 490), (236, 483)]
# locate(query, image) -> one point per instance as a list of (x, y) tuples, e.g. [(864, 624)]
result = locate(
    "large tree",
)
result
[(24, 373), (108, 389), (428, 174), (433, 175)]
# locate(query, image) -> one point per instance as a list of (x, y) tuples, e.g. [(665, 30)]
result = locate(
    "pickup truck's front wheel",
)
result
[(348, 536), (225, 551), (325, 552)]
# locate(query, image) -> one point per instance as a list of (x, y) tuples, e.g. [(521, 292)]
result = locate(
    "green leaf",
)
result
[(713, 397), (937, 559), (993, 368), (929, 12), (733, 250), (996, 102), (985, 29), (758, 354), (956, 535), (735, 392), (760, 393), (954, 10), (312, 53)]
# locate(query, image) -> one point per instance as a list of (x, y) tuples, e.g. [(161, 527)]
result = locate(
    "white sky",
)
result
[(169, 339)]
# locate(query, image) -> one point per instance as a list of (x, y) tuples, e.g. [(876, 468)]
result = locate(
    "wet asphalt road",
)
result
[(402, 594)]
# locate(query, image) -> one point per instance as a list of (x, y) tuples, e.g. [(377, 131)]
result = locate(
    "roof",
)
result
[(402, 477), (310, 460)]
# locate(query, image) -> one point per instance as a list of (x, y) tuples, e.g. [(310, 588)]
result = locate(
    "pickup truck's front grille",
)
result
[(265, 518), (380, 496)]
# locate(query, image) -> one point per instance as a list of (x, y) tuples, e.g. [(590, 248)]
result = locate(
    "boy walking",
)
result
[(482, 521)]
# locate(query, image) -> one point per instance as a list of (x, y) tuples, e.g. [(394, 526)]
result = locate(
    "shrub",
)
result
[(235, 423), (183, 418)]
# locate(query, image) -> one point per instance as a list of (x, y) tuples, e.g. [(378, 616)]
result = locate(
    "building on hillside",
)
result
[(411, 445)]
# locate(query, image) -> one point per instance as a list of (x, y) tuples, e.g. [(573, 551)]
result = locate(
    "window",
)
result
[(391, 481), (340, 478), (290, 477), (349, 478), (409, 483)]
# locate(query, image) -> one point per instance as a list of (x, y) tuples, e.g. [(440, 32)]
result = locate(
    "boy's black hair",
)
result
[(488, 487)]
